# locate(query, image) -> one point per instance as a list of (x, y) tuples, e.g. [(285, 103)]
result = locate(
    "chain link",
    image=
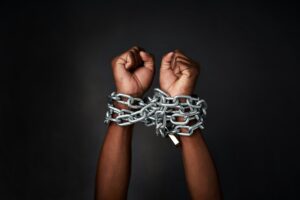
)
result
[(179, 115)]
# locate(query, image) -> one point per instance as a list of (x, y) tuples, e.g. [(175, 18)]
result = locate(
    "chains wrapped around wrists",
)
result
[(179, 115)]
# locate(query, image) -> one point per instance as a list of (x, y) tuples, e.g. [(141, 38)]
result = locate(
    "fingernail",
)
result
[(170, 53)]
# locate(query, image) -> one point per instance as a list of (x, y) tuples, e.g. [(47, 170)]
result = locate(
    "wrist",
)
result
[(179, 93), (132, 94), (120, 106)]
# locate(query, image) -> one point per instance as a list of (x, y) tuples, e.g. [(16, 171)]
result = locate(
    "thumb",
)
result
[(148, 60), (166, 61)]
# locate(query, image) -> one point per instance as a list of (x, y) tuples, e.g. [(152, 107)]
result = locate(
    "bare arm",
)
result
[(133, 73), (113, 171), (178, 75), (199, 169)]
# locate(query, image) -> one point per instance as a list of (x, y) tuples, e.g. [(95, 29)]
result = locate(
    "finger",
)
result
[(185, 59), (145, 74), (180, 53), (181, 58), (136, 50), (186, 69), (177, 69), (130, 61), (167, 61), (127, 58), (148, 60), (119, 63)]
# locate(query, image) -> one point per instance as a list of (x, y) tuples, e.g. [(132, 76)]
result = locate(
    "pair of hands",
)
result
[(134, 71)]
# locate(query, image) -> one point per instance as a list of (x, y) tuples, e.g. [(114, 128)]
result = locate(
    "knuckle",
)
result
[(130, 57), (132, 53), (135, 48), (178, 52)]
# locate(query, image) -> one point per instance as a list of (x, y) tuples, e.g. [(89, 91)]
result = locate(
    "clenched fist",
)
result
[(178, 74), (133, 72)]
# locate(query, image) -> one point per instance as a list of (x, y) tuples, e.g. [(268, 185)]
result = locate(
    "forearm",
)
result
[(133, 72), (113, 170), (199, 168)]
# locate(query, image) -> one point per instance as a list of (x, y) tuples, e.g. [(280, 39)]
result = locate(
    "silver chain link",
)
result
[(179, 115)]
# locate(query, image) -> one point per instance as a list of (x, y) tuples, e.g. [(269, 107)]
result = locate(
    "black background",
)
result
[(55, 76)]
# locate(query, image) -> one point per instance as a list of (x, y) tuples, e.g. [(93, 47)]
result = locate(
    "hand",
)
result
[(178, 74), (133, 72)]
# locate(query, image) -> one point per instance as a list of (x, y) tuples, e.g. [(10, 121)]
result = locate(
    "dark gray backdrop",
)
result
[(55, 76)]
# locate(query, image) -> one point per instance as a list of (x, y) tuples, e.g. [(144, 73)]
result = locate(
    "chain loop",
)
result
[(179, 115)]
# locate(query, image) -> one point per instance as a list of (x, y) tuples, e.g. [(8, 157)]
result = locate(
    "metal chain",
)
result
[(179, 115)]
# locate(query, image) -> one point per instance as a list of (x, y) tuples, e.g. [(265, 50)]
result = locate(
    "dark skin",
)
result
[(133, 73)]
